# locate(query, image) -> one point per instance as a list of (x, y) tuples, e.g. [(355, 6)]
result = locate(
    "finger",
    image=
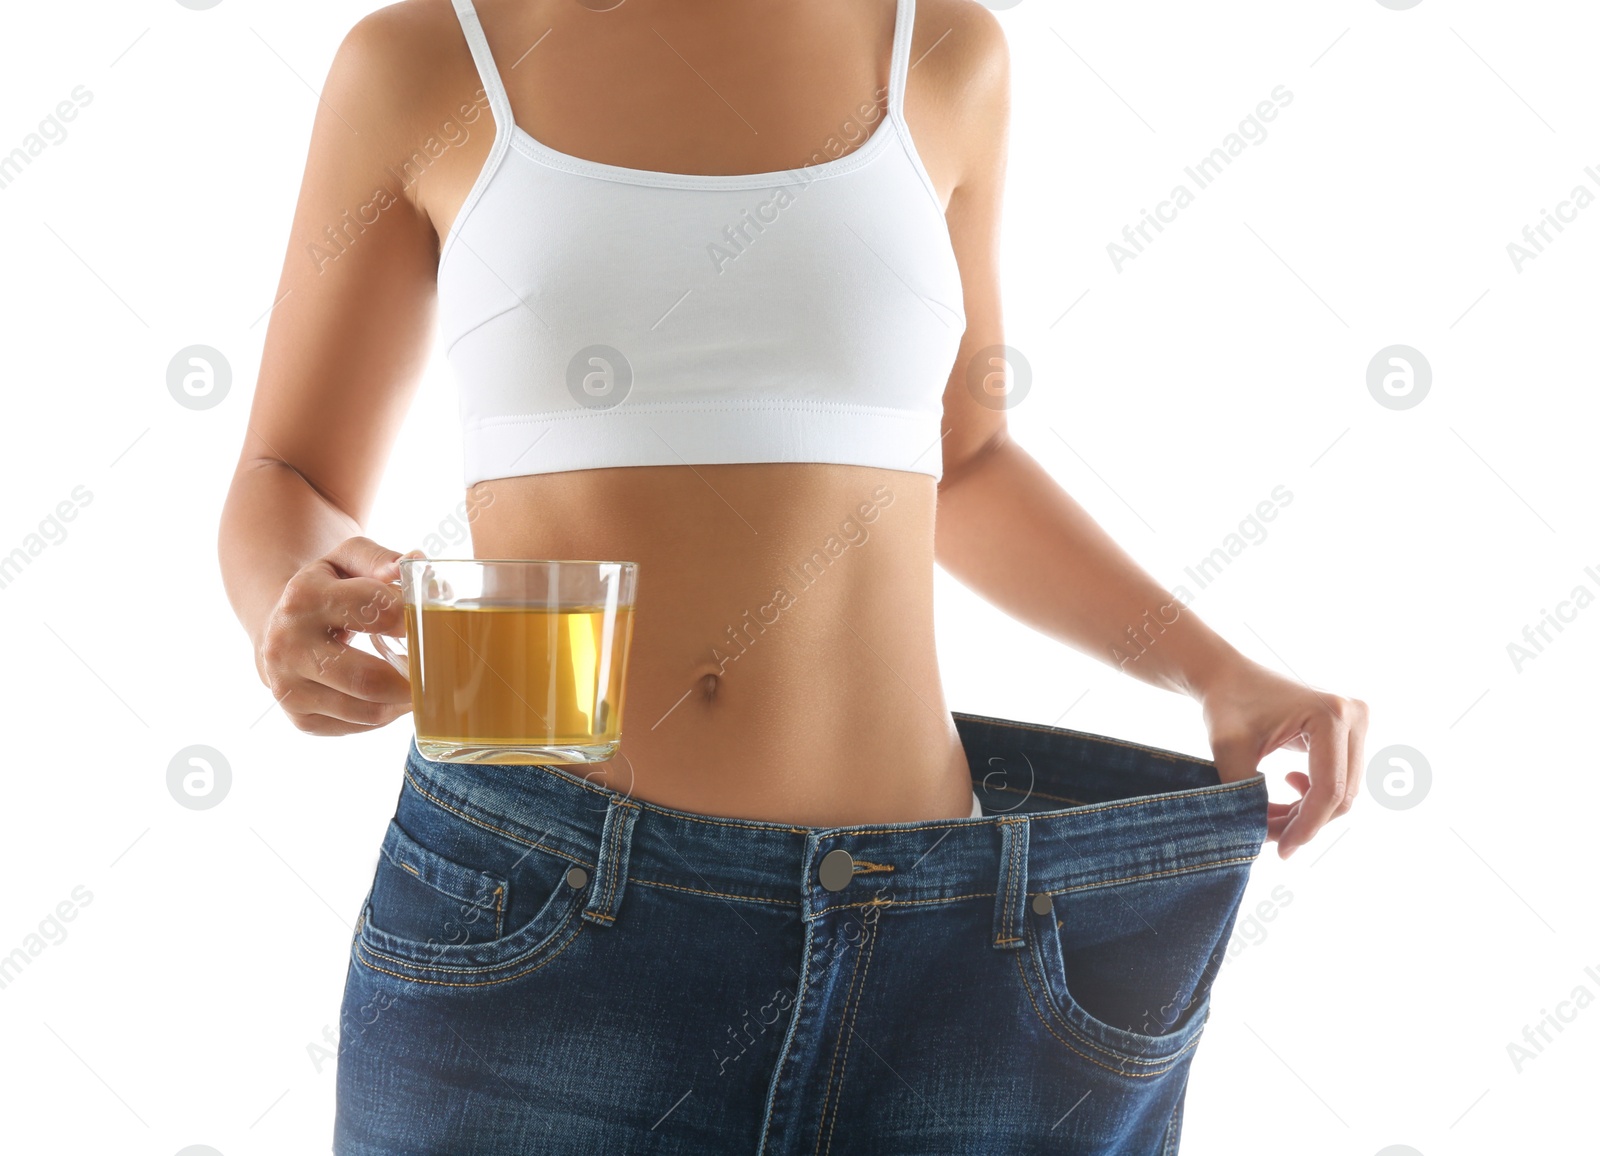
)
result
[(305, 697), (1328, 743), (362, 557), (1358, 735), (1279, 814), (366, 605), (355, 673), (322, 725)]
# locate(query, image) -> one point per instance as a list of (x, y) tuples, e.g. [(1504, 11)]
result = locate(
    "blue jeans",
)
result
[(546, 965)]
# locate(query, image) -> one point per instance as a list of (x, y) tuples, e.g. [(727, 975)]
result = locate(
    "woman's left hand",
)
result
[(1251, 711)]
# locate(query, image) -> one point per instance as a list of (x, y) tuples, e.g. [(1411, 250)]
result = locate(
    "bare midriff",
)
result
[(783, 664)]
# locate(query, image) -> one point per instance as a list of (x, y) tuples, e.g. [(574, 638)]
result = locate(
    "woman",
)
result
[(719, 283)]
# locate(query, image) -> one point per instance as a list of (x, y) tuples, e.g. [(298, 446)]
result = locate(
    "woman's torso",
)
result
[(783, 664)]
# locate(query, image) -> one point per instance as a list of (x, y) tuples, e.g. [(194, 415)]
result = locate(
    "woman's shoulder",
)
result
[(400, 69)]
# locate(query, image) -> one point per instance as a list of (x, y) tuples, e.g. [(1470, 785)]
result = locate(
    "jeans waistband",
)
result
[(1064, 810)]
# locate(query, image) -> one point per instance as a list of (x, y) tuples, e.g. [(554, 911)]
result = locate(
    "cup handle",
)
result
[(396, 658)]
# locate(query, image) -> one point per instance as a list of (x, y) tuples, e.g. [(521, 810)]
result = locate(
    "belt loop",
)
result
[(611, 865), (1011, 890)]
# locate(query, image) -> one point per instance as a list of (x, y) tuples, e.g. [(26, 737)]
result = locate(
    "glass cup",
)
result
[(515, 661)]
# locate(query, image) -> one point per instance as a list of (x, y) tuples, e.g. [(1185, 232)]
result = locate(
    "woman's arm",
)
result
[(1008, 531), (344, 349), (1011, 533)]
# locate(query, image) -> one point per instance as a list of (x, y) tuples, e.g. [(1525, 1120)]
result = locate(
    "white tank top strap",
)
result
[(494, 88), (900, 60)]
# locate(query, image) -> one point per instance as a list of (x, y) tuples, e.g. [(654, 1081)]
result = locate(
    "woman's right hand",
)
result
[(325, 685)]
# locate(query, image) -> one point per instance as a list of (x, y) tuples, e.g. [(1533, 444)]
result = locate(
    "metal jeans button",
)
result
[(836, 870)]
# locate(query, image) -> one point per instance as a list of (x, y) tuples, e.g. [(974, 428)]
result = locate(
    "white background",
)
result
[(1375, 1008)]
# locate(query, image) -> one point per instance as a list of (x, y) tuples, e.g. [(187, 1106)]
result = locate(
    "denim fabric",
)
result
[(546, 965)]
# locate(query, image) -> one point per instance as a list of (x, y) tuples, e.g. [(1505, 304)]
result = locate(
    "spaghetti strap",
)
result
[(900, 59), (494, 88), (499, 108)]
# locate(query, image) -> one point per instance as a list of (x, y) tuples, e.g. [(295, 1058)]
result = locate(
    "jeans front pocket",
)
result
[(455, 905), (1124, 970), (419, 894)]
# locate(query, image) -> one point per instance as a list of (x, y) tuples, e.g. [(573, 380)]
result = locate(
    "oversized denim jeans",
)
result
[(545, 965)]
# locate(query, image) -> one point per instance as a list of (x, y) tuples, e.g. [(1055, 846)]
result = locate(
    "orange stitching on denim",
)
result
[(498, 892), (720, 895), (610, 855), (1011, 883), (922, 902), (1028, 990), (866, 867), (1009, 939), (1104, 1049), (463, 970), (477, 822), (619, 832), (1153, 874), (903, 903), (478, 983), (411, 869), (860, 992), (827, 1088)]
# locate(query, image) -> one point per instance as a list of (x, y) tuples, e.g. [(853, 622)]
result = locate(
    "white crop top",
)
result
[(596, 315)]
